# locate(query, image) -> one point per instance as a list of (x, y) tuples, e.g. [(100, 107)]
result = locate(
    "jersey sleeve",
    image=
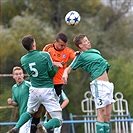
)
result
[(76, 63)]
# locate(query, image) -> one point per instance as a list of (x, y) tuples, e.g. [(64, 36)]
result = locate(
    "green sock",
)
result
[(23, 119), (52, 123), (99, 127), (106, 127)]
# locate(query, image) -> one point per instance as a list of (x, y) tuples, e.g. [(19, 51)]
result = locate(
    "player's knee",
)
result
[(58, 122), (56, 114)]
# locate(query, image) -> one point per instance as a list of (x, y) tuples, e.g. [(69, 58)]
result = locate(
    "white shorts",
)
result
[(45, 96), (26, 127), (102, 92)]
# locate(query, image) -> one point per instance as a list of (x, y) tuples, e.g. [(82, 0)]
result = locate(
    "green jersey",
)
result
[(37, 64), (92, 62), (20, 94)]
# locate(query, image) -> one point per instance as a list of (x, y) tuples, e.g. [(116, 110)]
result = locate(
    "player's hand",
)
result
[(9, 101), (65, 74), (64, 80), (77, 53)]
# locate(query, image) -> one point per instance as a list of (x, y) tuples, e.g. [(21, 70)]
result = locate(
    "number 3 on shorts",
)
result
[(31, 65), (100, 102)]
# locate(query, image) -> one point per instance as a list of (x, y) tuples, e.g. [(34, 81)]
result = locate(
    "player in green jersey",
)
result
[(39, 67), (91, 61), (20, 94)]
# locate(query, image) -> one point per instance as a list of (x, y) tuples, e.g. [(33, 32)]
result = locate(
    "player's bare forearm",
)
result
[(65, 74), (65, 103)]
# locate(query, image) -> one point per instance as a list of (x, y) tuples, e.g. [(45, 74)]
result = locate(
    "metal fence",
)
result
[(121, 122)]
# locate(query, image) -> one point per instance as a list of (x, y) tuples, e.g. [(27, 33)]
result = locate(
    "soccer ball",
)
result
[(72, 18)]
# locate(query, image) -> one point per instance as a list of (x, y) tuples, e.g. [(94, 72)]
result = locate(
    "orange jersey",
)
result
[(59, 56)]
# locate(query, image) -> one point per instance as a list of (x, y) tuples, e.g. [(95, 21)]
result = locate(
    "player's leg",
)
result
[(33, 125), (103, 96), (57, 130), (22, 120), (53, 108), (36, 119), (101, 113), (26, 127), (103, 119), (33, 105), (54, 122), (107, 118), (96, 90), (58, 88), (108, 107), (47, 117)]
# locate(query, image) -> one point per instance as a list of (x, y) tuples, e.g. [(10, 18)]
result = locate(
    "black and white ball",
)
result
[(72, 18)]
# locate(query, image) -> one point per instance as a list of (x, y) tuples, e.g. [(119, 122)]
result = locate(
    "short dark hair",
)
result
[(62, 36), (77, 39), (27, 42)]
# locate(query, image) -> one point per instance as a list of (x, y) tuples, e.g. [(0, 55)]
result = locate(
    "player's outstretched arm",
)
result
[(65, 74)]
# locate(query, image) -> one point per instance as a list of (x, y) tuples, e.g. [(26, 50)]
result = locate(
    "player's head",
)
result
[(60, 41), (82, 42), (18, 74), (28, 42)]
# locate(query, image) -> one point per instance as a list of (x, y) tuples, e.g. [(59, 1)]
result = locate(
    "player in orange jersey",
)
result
[(60, 55)]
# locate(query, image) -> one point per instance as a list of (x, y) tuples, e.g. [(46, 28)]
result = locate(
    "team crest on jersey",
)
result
[(64, 56)]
